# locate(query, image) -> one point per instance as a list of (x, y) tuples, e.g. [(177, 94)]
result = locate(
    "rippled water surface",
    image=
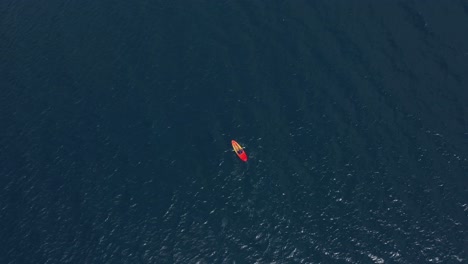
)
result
[(117, 116)]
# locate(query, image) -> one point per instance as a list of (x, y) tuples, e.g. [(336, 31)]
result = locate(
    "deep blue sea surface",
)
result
[(116, 119)]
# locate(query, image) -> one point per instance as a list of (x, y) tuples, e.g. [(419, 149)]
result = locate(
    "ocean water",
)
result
[(117, 116)]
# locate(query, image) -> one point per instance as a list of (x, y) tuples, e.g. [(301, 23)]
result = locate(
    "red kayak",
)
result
[(239, 150)]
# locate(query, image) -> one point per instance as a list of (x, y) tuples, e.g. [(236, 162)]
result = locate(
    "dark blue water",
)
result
[(116, 120)]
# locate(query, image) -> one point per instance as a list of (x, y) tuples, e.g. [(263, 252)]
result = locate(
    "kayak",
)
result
[(239, 150)]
